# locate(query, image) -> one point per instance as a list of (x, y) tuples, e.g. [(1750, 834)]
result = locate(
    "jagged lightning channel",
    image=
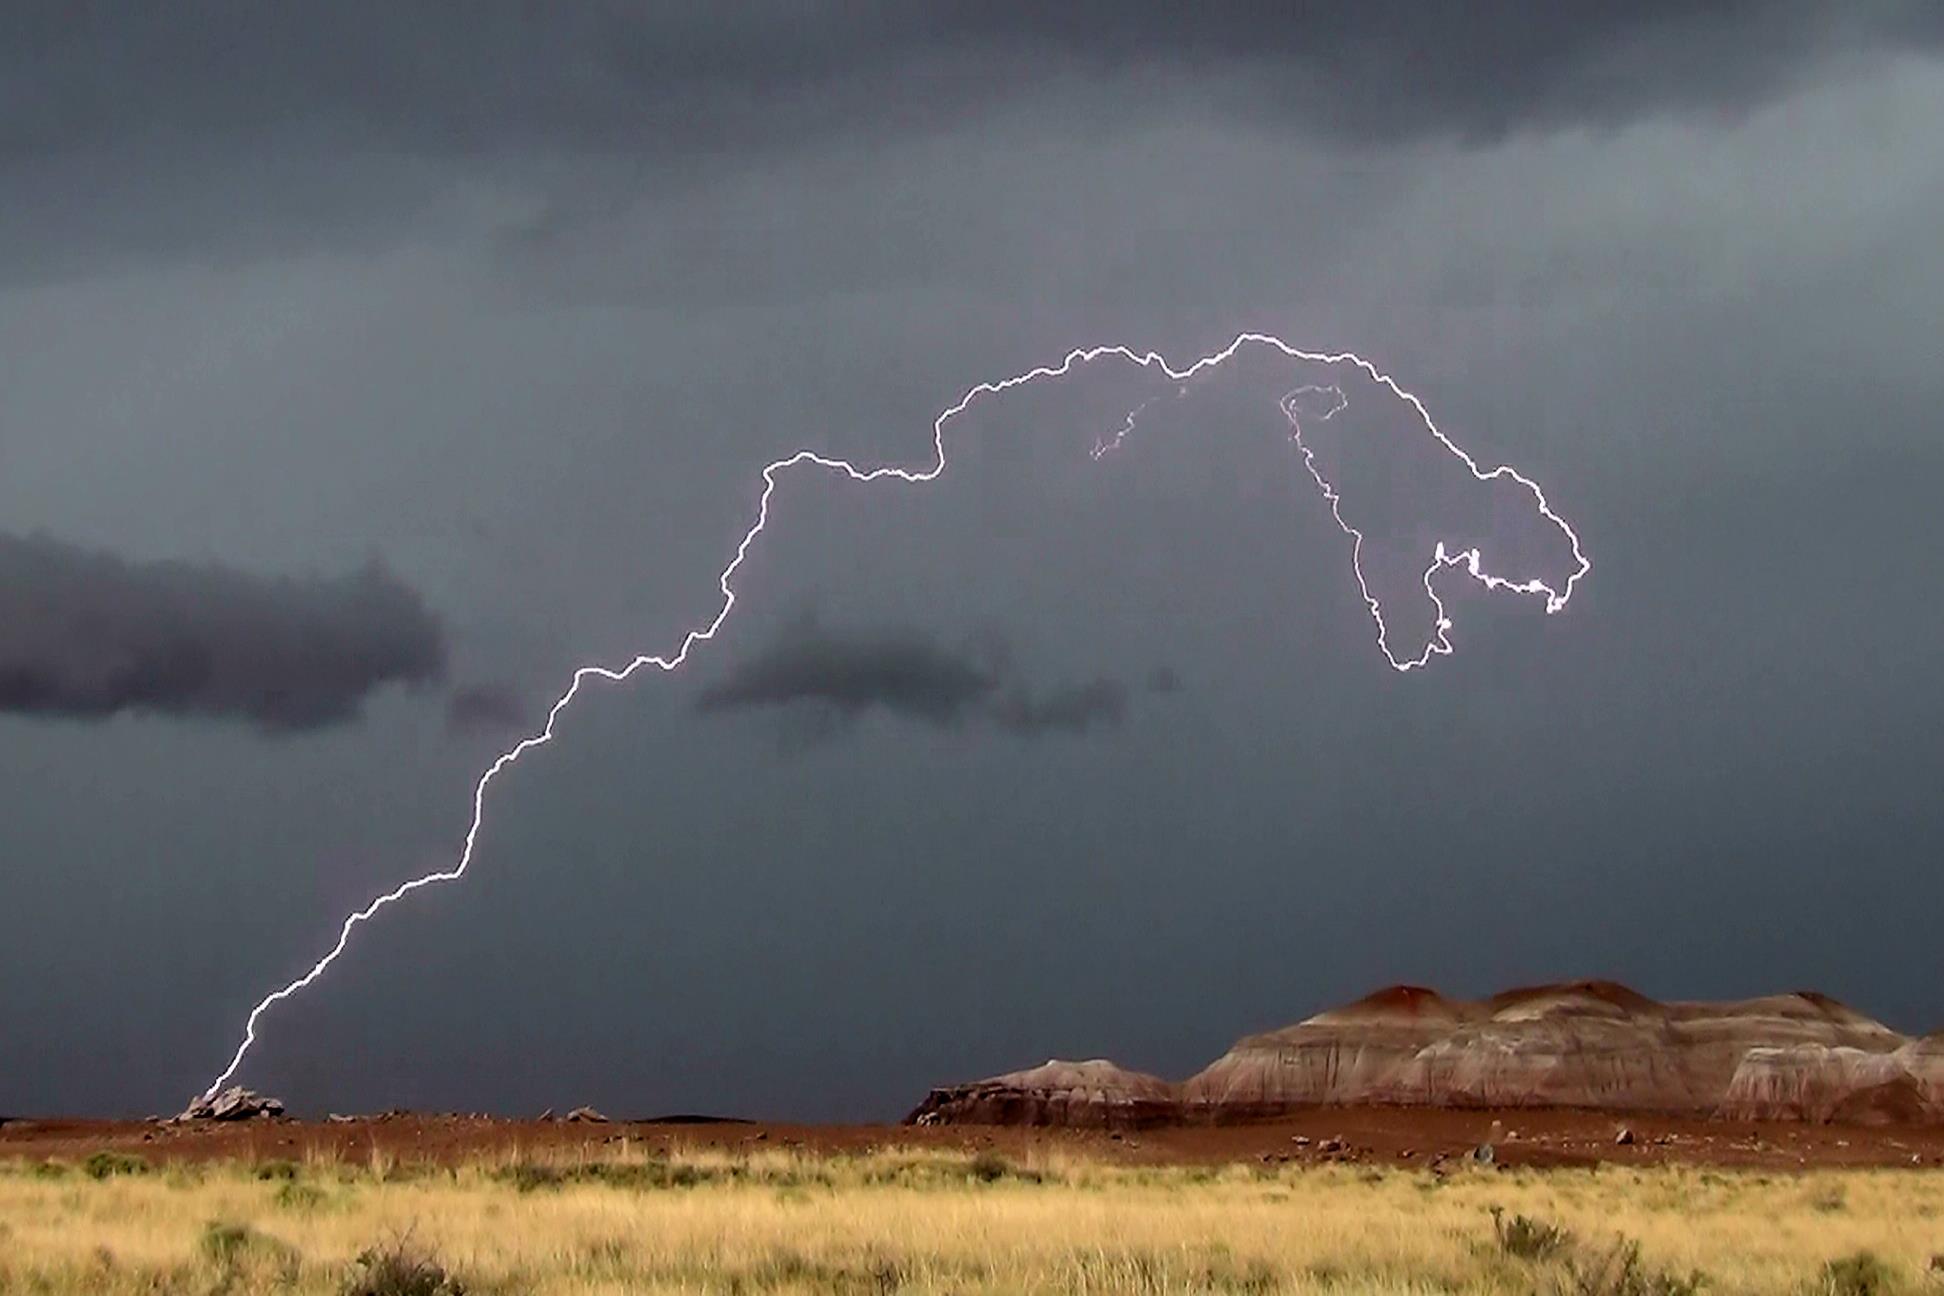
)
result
[(1468, 559)]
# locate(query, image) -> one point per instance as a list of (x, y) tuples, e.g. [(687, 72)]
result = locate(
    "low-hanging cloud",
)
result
[(907, 673), (86, 634), (903, 672)]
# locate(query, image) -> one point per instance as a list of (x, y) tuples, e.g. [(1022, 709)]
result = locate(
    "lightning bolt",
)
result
[(1469, 560)]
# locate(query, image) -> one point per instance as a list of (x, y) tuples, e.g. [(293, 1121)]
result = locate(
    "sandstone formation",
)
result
[(1588, 1045), (1092, 1095)]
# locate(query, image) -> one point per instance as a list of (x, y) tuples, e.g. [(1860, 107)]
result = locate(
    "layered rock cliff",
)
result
[(1091, 1095), (1590, 1045)]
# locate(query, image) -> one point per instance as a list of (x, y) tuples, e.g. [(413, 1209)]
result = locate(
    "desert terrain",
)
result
[(1574, 1139), (422, 1207), (1397, 1137)]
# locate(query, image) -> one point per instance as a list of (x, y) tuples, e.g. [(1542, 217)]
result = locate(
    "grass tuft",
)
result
[(399, 1268), (1859, 1274), (106, 1165)]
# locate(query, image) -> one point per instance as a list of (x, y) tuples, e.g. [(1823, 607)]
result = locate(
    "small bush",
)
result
[(1860, 1274), (399, 1269), (224, 1243), (276, 1171), (1829, 1199), (990, 1167), (1619, 1272), (106, 1165), (1527, 1238), (528, 1177), (296, 1196)]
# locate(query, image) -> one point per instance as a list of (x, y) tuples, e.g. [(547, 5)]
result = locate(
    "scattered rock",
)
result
[(336, 1118), (546, 1115), (586, 1116), (1484, 1154), (233, 1104), (1624, 1136)]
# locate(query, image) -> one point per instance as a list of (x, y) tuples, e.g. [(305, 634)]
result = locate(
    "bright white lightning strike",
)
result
[(1469, 560)]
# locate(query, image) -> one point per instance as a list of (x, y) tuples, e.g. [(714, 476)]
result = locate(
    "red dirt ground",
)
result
[(1362, 1136)]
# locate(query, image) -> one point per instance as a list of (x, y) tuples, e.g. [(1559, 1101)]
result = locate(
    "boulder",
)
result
[(233, 1104)]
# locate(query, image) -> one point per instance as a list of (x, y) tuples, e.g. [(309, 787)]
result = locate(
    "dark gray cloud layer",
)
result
[(442, 78), (86, 635), (908, 674), (234, 130)]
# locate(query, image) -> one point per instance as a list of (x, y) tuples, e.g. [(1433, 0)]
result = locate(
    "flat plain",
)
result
[(430, 1205)]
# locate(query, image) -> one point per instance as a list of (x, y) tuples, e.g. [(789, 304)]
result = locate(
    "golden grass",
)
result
[(926, 1222)]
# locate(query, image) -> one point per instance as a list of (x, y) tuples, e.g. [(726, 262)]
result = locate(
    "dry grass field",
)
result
[(706, 1220)]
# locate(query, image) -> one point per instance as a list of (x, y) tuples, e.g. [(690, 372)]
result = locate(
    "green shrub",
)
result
[(1527, 1238), (224, 1243), (105, 1165), (1860, 1274), (528, 1177), (399, 1269), (989, 1167)]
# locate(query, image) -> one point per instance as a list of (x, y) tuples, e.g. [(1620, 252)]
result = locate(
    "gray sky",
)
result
[(369, 367)]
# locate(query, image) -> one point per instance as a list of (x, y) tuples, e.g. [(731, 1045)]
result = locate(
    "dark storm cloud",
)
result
[(475, 707), (909, 674), (901, 671), (239, 128), (450, 77), (85, 635)]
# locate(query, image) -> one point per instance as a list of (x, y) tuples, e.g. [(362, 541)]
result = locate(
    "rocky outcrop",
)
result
[(233, 1104), (1091, 1095), (1812, 1082), (1589, 1045)]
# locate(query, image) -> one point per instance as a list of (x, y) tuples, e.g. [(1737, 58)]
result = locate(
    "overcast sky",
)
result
[(367, 367)]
